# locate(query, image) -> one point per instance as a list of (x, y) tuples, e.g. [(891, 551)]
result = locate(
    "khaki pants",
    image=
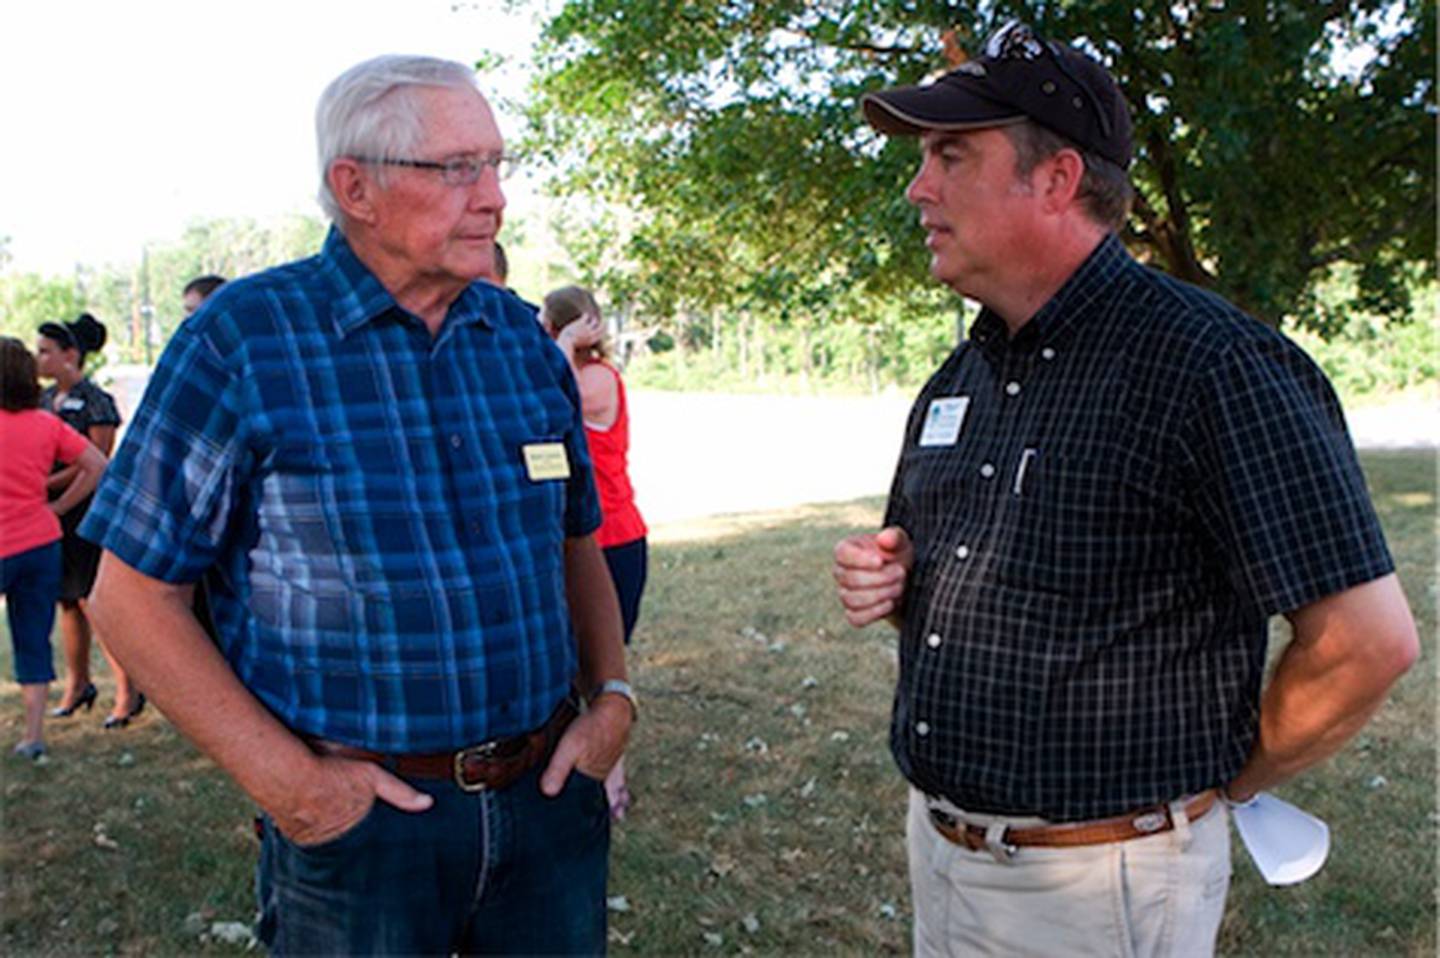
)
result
[(1157, 896)]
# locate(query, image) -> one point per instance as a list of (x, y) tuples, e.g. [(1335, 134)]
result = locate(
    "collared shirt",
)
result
[(390, 568), (1138, 480)]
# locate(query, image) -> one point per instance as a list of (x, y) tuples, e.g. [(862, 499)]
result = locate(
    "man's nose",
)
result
[(922, 184), (485, 192)]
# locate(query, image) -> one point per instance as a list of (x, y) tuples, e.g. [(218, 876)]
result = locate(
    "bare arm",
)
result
[(61, 478), (104, 439), (84, 475), (1348, 650), (149, 627), (593, 742), (599, 396)]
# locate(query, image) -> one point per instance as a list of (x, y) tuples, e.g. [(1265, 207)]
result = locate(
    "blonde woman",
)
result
[(572, 318)]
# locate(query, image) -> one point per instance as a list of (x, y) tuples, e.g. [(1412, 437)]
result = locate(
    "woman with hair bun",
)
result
[(60, 353), (572, 318)]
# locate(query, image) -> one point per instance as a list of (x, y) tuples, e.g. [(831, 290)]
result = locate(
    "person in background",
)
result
[(198, 290), (30, 563), (60, 353), (572, 317), (192, 296), (1104, 495), (419, 676), (500, 274)]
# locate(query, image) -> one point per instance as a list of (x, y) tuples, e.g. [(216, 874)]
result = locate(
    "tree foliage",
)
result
[(129, 297), (718, 152)]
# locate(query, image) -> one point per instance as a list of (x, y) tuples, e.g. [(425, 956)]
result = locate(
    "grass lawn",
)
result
[(768, 815)]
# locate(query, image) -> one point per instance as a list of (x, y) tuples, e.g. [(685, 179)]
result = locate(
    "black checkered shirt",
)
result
[(1143, 476)]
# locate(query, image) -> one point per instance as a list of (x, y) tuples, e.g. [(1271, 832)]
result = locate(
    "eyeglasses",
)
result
[(1017, 41), (458, 170)]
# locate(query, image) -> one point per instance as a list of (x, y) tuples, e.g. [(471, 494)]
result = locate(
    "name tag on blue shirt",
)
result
[(546, 461), (943, 421)]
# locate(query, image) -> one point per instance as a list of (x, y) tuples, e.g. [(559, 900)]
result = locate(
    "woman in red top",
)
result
[(33, 441), (572, 317)]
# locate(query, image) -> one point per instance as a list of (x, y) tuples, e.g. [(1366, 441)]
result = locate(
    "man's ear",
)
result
[(354, 190), (1062, 174)]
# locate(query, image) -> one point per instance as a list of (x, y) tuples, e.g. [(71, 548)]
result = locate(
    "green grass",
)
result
[(768, 815)]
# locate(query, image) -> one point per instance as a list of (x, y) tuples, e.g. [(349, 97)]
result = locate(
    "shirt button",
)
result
[(1047, 354), (922, 729), (987, 471), (933, 640), (962, 552), (455, 440), (1012, 388)]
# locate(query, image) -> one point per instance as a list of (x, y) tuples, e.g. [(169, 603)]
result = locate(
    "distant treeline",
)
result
[(139, 302)]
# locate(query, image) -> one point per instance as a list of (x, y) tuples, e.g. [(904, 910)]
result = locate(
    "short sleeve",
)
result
[(100, 408), (166, 497), (1277, 483)]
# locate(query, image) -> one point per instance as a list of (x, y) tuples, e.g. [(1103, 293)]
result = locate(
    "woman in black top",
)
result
[(60, 350)]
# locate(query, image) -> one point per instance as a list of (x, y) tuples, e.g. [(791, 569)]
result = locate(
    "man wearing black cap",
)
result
[(1103, 496)]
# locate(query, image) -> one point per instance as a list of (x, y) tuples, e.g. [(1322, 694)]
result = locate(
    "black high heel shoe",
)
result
[(120, 721), (86, 698)]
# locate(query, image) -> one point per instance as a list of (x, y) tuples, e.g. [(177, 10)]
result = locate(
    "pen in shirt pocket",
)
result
[(1018, 486)]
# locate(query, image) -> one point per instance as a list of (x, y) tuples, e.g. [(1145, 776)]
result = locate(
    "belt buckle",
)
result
[(479, 752)]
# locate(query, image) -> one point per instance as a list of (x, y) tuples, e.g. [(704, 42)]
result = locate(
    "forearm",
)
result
[(1306, 716), (82, 483), (61, 479), (1330, 681), (150, 629), (594, 612)]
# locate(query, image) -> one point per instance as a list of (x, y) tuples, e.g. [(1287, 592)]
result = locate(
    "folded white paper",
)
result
[(1286, 844)]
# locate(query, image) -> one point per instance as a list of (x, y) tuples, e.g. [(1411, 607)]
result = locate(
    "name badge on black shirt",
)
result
[(943, 421)]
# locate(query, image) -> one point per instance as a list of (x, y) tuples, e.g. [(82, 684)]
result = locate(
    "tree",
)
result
[(1275, 140), (118, 293), (27, 300)]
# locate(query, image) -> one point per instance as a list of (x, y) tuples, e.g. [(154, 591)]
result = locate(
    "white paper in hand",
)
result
[(1286, 844)]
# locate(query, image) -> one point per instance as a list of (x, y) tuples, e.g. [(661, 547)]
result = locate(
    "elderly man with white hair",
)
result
[(419, 675)]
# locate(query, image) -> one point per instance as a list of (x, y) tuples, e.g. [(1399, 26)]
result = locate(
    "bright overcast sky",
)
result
[(124, 119)]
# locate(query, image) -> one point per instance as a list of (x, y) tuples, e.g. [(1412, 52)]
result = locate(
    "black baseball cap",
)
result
[(1019, 76)]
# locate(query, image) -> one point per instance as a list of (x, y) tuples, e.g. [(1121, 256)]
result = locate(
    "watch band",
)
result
[(616, 687)]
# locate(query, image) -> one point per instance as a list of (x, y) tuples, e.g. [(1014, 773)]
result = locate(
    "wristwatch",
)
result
[(616, 687)]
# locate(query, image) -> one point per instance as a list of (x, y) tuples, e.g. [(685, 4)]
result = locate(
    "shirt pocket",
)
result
[(1092, 528), (534, 508)]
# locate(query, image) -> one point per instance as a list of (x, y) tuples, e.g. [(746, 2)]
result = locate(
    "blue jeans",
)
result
[(509, 872), (30, 581)]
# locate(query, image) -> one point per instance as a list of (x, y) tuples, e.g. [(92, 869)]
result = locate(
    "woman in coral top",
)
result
[(572, 317), (30, 565)]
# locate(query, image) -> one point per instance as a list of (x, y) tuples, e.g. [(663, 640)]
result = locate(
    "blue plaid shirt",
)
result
[(389, 574)]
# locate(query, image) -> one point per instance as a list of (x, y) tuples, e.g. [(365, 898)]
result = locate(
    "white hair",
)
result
[(370, 110)]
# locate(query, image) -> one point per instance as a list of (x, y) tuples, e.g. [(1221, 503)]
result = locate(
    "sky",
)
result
[(126, 119)]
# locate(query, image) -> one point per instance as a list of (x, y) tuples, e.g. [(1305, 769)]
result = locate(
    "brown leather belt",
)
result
[(489, 766), (1139, 824)]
